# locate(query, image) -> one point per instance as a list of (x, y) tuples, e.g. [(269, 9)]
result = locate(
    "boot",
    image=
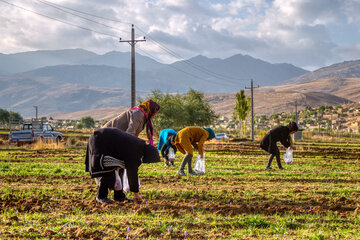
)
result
[(190, 171), (268, 167), (278, 161), (103, 200)]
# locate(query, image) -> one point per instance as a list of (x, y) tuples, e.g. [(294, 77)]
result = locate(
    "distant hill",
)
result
[(25, 61), (348, 69), (20, 95), (267, 103), (267, 100), (211, 75), (77, 80), (98, 114), (347, 88)]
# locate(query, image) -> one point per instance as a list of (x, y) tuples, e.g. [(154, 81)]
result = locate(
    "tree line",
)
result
[(6, 115)]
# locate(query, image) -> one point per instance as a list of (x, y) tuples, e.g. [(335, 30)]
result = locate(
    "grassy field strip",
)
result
[(45, 194)]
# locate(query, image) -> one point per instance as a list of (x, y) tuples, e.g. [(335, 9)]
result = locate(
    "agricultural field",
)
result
[(45, 194)]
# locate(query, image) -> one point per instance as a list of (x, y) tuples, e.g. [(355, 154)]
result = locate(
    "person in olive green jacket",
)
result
[(188, 138)]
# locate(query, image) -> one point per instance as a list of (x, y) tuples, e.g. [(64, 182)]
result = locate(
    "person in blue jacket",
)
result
[(166, 141)]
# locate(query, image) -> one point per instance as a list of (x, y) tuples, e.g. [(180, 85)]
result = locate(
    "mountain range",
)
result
[(76, 80)]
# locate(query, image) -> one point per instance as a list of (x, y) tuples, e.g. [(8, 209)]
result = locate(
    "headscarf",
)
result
[(151, 154), (149, 108), (292, 126), (211, 133)]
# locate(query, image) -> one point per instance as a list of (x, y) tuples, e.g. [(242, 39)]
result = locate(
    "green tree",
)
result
[(241, 109), (198, 110), (179, 111), (86, 122), (5, 116)]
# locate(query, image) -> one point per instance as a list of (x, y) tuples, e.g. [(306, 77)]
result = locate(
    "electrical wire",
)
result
[(85, 13), (90, 20), (194, 65), (190, 74), (55, 19), (163, 47)]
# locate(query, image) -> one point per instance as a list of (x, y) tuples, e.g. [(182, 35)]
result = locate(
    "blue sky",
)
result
[(307, 33)]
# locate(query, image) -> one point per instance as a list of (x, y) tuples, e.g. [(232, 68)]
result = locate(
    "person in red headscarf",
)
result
[(134, 120)]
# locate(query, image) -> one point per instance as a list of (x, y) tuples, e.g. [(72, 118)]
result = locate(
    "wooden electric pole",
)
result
[(36, 112), (132, 43), (252, 108)]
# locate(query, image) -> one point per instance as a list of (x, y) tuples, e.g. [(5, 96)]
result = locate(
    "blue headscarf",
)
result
[(211, 133)]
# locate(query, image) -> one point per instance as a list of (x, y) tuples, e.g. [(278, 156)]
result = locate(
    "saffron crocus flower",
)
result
[(128, 229), (185, 233)]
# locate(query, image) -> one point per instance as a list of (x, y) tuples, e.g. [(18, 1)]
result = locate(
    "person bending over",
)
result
[(167, 142), (282, 134), (134, 120), (111, 149), (190, 137)]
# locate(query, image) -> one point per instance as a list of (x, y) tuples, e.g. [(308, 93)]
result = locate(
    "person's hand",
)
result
[(166, 161), (201, 156), (137, 198), (293, 147)]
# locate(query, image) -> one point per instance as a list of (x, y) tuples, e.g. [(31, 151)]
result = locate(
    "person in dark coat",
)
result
[(133, 122), (282, 134), (110, 149), (167, 142)]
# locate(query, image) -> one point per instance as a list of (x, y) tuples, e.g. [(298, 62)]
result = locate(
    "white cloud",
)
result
[(294, 31)]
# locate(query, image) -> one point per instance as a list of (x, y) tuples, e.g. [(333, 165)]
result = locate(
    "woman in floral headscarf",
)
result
[(133, 122), (282, 134)]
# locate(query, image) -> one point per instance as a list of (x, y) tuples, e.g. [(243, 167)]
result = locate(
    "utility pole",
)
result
[(36, 112), (132, 43), (252, 108), (296, 114)]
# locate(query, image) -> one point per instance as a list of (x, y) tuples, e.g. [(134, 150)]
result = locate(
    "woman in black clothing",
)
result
[(282, 134), (110, 149)]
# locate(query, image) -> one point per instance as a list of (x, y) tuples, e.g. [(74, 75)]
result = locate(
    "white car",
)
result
[(221, 136)]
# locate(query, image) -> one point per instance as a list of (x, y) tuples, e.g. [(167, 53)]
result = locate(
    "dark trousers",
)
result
[(106, 183), (187, 160), (276, 154)]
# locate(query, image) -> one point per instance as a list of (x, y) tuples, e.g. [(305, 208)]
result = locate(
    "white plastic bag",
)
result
[(117, 185), (171, 154), (288, 156), (126, 187), (200, 165)]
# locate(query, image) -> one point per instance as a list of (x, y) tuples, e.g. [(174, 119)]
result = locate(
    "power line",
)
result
[(55, 19), (169, 51), (192, 64), (85, 13), (163, 47), (190, 74), (88, 19)]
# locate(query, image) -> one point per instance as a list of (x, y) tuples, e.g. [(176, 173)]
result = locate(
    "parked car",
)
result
[(221, 136), (35, 131)]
